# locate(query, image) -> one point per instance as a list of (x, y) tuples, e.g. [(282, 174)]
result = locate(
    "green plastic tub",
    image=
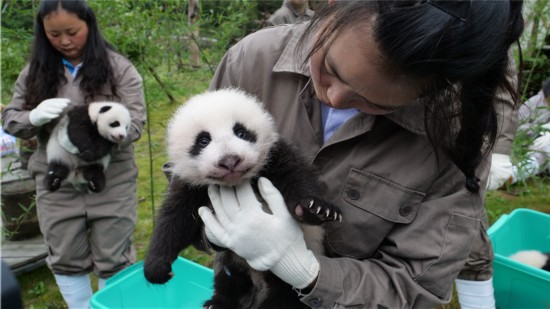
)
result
[(518, 285), (190, 287)]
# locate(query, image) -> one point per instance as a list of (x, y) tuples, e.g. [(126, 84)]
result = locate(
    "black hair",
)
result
[(546, 88), (46, 72), (461, 47)]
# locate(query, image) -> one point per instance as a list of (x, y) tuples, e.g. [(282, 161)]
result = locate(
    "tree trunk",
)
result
[(192, 16)]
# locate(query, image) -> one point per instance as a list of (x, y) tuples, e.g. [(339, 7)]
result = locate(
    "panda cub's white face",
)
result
[(220, 137), (112, 119)]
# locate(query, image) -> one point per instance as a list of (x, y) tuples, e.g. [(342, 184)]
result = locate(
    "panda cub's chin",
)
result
[(230, 179)]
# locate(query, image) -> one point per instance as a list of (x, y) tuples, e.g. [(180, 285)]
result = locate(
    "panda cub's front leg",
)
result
[(298, 182), (178, 226)]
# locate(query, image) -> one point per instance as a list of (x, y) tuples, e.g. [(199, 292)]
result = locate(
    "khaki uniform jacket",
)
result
[(408, 221), (86, 231)]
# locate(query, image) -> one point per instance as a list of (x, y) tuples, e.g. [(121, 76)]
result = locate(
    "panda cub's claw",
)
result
[(318, 211), (209, 304), (95, 186), (53, 184), (91, 186)]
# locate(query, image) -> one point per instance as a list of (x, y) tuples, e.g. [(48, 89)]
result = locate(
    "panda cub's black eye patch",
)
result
[(202, 140), (115, 124), (243, 133), (104, 109)]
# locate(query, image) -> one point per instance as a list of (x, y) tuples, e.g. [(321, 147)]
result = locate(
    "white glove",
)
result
[(47, 110), (542, 143), (267, 241), (501, 171)]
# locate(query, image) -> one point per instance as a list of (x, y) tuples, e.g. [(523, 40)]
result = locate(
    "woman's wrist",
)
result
[(310, 287), (298, 267), (305, 291)]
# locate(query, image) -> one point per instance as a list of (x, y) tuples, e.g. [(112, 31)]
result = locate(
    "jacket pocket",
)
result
[(371, 207)]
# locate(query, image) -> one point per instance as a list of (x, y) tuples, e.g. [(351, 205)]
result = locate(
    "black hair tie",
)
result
[(472, 184)]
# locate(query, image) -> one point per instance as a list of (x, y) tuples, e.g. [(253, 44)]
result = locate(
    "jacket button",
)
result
[(353, 194), (315, 302), (405, 210)]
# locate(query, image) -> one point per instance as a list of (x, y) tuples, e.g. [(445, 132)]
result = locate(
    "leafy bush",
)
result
[(535, 42), (17, 31)]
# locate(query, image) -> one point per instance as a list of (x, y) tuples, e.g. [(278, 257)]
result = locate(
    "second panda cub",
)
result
[(80, 145), (226, 137)]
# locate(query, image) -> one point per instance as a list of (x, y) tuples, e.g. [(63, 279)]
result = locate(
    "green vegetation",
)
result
[(157, 37)]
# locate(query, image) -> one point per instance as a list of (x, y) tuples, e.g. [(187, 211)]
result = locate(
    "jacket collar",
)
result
[(291, 59), (410, 117)]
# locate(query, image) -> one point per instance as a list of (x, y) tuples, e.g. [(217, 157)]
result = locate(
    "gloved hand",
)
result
[(47, 110), (501, 171), (542, 143), (267, 241)]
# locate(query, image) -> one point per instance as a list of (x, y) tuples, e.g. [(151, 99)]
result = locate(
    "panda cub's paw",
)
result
[(52, 182), (57, 172), (95, 177), (95, 186), (317, 211), (157, 272), (210, 305)]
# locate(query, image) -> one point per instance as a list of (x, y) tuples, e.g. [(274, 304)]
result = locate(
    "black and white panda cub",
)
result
[(87, 132), (534, 258), (225, 137)]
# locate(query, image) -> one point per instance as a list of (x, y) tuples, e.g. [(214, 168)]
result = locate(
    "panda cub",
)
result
[(86, 132), (534, 258), (226, 137)]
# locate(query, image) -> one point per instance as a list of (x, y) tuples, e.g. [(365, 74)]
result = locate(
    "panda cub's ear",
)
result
[(104, 109)]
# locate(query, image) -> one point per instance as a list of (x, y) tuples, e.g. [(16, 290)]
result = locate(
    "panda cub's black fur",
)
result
[(225, 137), (86, 132)]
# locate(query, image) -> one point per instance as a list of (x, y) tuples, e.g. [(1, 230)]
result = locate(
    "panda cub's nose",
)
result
[(118, 138), (229, 162)]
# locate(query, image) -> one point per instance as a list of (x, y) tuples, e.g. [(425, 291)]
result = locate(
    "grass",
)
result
[(39, 288)]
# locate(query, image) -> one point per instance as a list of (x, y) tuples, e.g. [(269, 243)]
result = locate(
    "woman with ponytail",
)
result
[(72, 65), (396, 103)]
